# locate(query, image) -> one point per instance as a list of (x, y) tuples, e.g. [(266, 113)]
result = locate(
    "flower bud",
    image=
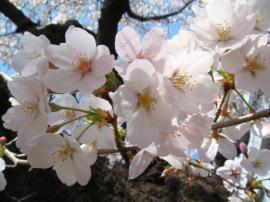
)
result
[(3, 140), (243, 149)]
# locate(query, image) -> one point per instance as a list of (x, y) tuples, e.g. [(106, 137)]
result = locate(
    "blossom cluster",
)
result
[(68, 102)]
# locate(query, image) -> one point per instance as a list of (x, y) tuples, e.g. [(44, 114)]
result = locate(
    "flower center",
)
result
[(223, 32), (182, 81), (257, 163), (254, 64), (146, 100), (83, 65), (234, 172), (31, 108), (64, 153)]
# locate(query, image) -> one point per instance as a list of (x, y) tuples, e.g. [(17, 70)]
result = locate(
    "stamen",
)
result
[(31, 108), (223, 32), (182, 81), (257, 163), (64, 153), (254, 64), (146, 100), (83, 64)]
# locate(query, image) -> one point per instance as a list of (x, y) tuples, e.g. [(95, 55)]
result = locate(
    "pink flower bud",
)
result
[(243, 148), (3, 140)]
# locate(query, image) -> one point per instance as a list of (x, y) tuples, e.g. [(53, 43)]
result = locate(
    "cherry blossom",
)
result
[(26, 61), (250, 64), (140, 101), (28, 116), (257, 162), (80, 64), (225, 24), (70, 161)]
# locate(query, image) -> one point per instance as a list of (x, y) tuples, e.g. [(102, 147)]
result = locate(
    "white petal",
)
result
[(62, 81), (103, 62), (81, 40), (227, 148), (127, 43), (139, 163), (91, 82)]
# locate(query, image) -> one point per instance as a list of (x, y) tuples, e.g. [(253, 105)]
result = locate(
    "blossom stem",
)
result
[(220, 104), (118, 140), (70, 108), (84, 130), (71, 120), (251, 108)]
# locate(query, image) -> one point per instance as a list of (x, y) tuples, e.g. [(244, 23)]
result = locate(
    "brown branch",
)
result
[(16, 16), (118, 142), (54, 32), (242, 119), (220, 104), (112, 151), (12, 157), (159, 17)]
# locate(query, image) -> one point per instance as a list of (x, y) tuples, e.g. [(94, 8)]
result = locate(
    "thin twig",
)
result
[(220, 104), (242, 119), (12, 157), (118, 142)]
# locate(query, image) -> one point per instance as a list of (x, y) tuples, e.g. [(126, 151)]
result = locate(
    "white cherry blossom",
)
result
[(224, 24), (141, 103), (81, 65), (26, 61), (70, 160), (251, 64), (28, 116), (258, 161)]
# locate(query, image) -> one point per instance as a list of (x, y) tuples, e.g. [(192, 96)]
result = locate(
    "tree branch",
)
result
[(16, 16), (159, 17), (242, 119), (12, 157), (54, 32)]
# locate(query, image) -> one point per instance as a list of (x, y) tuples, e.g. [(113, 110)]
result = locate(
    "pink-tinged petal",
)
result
[(81, 40), (90, 152), (227, 148), (26, 136), (41, 153), (124, 101), (139, 163), (138, 74), (81, 168), (24, 89), (34, 43), (62, 81), (153, 42), (103, 62), (127, 43), (233, 61), (90, 82), (220, 11), (197, 62), (16, 119), (65, 172), (63, 56), (141, 130), (205, 31), (95, 103), (20, 60), (105, 138), (176, 162)]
